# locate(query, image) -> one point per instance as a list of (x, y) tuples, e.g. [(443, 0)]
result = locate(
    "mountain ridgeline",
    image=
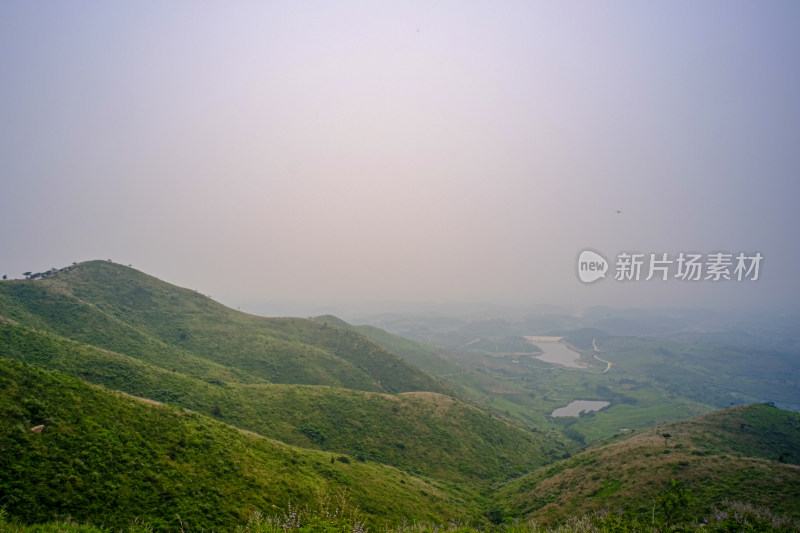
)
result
[(123, 310), (127, 400)]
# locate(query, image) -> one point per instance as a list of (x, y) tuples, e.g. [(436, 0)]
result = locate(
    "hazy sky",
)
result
[(329, 152)]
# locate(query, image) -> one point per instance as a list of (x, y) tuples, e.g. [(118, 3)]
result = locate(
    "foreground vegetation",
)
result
[(71, 449), (335, 515)]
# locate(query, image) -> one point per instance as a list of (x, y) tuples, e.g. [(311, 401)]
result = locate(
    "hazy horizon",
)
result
[(447, 153)]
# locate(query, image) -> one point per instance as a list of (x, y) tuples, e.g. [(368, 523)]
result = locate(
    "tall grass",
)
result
[(334, 514)]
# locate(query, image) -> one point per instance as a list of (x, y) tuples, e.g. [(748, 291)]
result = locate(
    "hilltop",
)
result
[(121, 309)]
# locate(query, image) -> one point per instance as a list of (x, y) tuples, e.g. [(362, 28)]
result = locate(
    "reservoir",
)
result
[(578, 406), (556, 352)]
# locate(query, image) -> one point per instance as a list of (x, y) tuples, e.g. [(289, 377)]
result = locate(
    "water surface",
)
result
[(576, 407), (557, 353)]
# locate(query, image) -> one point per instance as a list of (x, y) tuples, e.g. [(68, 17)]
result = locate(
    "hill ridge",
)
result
[(277, 350), (323, 415)]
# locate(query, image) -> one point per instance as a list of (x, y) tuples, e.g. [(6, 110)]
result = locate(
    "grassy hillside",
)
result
[(45, 306), (418, 354), (104, 361), (733, 454), (123, 310), (107, 458), (424, 433), (467, 380)]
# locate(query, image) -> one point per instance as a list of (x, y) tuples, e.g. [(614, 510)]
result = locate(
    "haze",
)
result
[(325, 153)]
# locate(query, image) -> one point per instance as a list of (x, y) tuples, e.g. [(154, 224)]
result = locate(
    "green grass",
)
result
[(673, 376), (711, 454), (106, 459), (120, 309), (670, 512), (347, 408), (424, 433), (418, 354)]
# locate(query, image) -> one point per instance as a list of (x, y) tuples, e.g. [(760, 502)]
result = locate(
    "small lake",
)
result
[(578, 406), (557, 353)]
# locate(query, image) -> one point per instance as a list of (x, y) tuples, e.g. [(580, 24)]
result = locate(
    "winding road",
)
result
[(609, 364)]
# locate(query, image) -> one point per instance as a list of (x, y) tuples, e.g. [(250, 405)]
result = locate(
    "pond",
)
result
[(577, 407), (556, 352)]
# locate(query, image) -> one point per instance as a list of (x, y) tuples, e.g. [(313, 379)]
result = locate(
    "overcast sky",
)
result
[(334, 152)]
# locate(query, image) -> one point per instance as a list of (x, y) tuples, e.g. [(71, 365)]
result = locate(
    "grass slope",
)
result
[(120, 309), (47, 307), (731, 454), (418, 354), (425, 433), (107, 458), (484, 390)]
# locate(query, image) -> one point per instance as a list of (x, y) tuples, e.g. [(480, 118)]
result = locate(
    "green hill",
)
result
[(150, 402), (107, 458), (478, 388), (418, 354), (740, 453), (428, 434), (121, 309)]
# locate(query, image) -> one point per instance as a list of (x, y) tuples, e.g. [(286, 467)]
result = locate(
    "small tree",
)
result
[(674, 504)]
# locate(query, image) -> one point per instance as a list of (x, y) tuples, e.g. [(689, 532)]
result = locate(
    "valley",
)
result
[(150, 401)]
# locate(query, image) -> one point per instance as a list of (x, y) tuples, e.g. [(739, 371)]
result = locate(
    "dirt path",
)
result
[(596, 349)]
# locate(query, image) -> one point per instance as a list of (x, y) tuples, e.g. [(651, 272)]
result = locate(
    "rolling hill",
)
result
[(104, 337), (125, 401), (123, 310), (423, 432), (70, 448), (741, 453)]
